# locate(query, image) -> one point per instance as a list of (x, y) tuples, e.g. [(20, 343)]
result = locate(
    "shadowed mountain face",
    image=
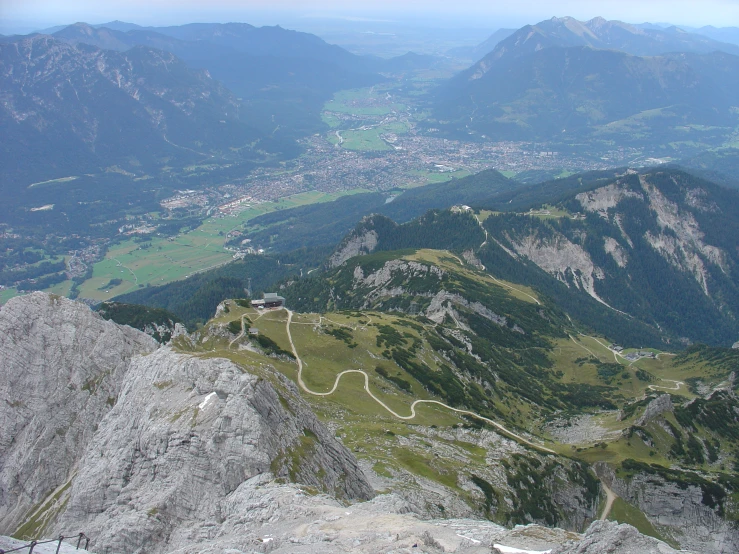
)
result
[(611, 35), (282, 77), (567, 80), (643, 258), (560, 92), (78, 108)]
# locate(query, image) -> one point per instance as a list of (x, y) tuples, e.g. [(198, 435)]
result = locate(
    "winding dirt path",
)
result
[(676, 387), (240, 335), (610, 498), (305, 388), (120, 264), (593, 354)]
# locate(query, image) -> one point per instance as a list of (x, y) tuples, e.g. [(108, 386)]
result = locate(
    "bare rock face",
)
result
[(354, 245), (62, 370), (563, 259), (679, 510), (105, 432), (658, 406), (605, 198), (265, 516), (185, 434), (610, 537)]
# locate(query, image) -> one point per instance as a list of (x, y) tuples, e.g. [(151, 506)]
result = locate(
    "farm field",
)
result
[(370, 101), (7, 294), (136, 263)]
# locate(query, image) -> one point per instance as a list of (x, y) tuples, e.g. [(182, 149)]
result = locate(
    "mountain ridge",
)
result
[(83, 108), (609, 95)]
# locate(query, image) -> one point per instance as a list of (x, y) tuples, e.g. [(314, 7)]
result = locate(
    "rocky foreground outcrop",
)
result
[(63, 368), (150, 450), (102, 431)]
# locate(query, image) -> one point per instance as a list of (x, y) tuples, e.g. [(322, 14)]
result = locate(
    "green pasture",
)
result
[(7, 294), (428, 177), (366, 101), (160, 260)]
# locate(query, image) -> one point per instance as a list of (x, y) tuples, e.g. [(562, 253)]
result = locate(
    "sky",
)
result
[(27, 15)]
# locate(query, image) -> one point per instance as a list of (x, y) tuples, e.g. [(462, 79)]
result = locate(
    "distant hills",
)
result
[(720, 166), (723, 34), (276, 81), (562, 79), (612, 35)]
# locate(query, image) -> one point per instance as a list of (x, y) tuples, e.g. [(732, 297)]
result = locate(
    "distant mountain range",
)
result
[(563, 79), (283, 76), (239, 37), (724, 34), (70, 109), (276, 82), (613, 35)]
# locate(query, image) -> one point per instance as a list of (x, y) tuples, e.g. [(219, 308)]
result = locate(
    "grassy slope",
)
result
[(399, 450)]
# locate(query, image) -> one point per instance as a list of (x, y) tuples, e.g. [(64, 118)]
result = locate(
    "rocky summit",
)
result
[(151, 450)]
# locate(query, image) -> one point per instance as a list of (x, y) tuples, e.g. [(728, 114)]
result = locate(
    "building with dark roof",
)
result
[(270, 300)]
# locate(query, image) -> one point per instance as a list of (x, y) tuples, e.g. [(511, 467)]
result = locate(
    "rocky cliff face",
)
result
[(644, 245), (150, 450), (677, 510), (185, 434), (62, 371), (143, 443), (354, 245)]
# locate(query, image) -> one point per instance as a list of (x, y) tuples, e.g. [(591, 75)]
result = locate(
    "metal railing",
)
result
[(34, 544)]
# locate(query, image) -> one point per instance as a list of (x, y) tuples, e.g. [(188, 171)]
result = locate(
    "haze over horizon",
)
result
[(23, 16)]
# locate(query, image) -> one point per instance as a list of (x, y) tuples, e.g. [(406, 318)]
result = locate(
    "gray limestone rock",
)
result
[(185, 434), (354, 245), (609, 537), (676, 510), (104, 432), (658, 406), (62, 370)]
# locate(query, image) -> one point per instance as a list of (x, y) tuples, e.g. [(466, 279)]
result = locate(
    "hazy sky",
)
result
[(24, 15)]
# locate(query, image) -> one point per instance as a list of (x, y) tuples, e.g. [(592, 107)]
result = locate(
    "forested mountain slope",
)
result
[(69, 110), (282, 77), (519, 96), (645, 257), (658, 246), (327, 223)]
